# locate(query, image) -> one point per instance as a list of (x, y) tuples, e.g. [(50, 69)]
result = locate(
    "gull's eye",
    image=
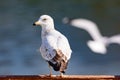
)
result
[(44, 19)]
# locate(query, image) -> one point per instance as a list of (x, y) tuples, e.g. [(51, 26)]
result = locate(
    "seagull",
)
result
[(99, 43), (55, 48)]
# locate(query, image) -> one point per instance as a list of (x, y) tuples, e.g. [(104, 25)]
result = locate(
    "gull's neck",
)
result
[(47, 29)]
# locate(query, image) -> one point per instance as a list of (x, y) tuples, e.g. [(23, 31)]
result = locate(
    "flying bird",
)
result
[(99, 43), (55, 48)]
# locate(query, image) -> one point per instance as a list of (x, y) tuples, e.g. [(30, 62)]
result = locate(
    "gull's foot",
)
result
[(48, 75), (61, 75)]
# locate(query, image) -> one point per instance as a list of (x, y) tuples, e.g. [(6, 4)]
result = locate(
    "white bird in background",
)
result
[(55, 48), (99, 42)]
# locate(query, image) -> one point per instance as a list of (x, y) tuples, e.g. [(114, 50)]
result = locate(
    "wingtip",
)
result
[(66, 20)]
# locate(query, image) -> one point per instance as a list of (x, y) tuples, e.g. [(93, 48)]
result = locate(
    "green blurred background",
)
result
[(20, 41)]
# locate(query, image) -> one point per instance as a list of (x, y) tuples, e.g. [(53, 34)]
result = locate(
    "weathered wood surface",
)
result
[(65, 77)]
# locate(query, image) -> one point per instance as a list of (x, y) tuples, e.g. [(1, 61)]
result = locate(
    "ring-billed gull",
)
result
[(55, 48), (99, 42)]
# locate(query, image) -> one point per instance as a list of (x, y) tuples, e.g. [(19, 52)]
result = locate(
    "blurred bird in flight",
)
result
[(99, 43)]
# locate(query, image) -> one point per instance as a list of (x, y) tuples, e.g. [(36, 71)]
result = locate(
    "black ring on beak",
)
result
[(34, 24)]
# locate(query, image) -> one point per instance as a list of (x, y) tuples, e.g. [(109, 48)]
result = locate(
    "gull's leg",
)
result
[(50, 68), (61, 74)]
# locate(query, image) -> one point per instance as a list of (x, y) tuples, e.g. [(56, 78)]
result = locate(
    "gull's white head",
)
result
[(97, 46), (44, 21)]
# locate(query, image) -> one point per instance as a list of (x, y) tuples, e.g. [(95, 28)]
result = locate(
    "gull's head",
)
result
[(44, 21), (97, 46)]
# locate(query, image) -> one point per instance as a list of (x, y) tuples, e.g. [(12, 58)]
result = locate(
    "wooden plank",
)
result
[(55, 77)]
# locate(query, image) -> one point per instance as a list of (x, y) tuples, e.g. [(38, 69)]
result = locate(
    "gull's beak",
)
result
[(36, 23)]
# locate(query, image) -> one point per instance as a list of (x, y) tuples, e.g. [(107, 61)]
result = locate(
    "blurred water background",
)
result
[(20, 41)]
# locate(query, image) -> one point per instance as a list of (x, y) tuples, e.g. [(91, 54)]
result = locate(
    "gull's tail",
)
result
[(59, 62)]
